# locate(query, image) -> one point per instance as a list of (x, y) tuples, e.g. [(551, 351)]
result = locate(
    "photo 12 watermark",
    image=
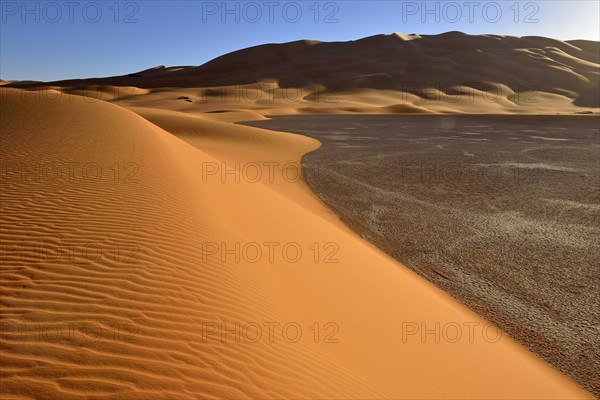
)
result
[(53, 12), (251, 172), (496, 175), (252, 12), (90, 172), (432, 93), (89, 94), (270, 332), (449, 332), (71, 252), (492, 12), (71, 332), (264, 93), (273, 252)]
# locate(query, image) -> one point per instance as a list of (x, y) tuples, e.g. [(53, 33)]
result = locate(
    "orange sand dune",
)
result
[(123, 283)]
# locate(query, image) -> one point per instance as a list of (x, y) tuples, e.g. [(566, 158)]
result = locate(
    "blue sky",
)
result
[(50, 40)]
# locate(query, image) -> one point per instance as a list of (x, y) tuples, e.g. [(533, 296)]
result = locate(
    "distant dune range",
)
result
[(450, 72), (137, 319)]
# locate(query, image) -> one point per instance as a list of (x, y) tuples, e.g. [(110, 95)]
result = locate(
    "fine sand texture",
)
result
[(132, 268), (503, 212)]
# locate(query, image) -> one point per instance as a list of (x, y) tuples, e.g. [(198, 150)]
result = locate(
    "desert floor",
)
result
[(503, 212)]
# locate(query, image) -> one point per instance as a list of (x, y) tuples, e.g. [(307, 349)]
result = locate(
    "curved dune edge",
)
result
[(161, 295)]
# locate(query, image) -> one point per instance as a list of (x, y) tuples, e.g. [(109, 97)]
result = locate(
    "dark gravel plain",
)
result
[(502, 212)]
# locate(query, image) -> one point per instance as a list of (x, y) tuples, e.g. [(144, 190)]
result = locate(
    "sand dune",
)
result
[(139, 226), (450, 72), (109, 289)]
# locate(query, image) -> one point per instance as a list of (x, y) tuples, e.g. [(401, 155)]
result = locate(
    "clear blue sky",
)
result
[(50, 40)]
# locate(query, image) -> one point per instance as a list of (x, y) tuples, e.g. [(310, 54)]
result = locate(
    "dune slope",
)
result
[(111, 288)]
